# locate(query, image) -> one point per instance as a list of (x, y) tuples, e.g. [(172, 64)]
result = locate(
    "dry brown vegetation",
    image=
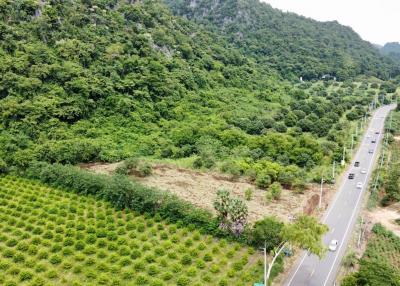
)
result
[(200, 188)]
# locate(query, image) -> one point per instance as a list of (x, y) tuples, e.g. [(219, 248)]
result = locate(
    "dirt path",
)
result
[(200, 188)]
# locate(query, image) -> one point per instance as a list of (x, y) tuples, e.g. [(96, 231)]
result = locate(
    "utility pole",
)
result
[(265, 263), (359, 235), (333, 170), (344, 154), (320, 196), (352, 143)]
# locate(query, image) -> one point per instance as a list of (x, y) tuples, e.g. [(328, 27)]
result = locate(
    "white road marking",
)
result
[(312, 272), (354, 211), (346, 202)]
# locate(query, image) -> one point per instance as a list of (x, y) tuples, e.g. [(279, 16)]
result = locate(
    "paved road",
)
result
[(343, 212)]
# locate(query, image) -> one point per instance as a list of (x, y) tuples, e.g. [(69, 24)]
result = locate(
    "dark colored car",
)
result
[(377, 132), (373, 141), (357, 164), (351, 176)]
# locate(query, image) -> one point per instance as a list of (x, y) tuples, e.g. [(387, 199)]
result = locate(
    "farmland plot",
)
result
[(55, 237)]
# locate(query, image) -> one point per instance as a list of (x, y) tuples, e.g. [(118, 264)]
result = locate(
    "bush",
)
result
[(263, 180), (274, 191), (144, 170), (25, 275), (248, 194)]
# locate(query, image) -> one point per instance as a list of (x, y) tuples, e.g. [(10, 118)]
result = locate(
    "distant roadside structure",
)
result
[(328, 77)]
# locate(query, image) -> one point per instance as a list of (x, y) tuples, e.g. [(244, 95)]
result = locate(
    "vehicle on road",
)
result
[(359, 185), (351, 176), (371, 151), (373, 141), (363, 171), (357, 164), (376, 132), (333, 245)]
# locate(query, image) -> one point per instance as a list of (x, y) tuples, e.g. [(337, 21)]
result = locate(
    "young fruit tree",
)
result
[(232, 212)]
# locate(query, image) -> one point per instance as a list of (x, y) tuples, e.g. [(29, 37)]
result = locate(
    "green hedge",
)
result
[(124, 193)]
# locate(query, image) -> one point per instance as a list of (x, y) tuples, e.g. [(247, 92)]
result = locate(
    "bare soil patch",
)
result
[(200, 188), (387, 216)]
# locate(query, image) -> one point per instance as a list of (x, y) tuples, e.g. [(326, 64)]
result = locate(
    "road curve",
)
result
[(343, 212)]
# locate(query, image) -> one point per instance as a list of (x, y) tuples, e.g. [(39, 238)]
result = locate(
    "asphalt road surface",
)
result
[(343, 212)]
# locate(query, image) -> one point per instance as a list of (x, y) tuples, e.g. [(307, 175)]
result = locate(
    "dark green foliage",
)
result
[(292, 44), (83, 84), (266, 232)]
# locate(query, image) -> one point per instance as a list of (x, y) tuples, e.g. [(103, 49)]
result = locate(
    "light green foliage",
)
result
[(48, 234), (380, 264), (248, 194), (274, 191), (306, 232)]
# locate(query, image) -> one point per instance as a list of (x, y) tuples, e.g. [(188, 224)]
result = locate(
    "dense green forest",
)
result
[(392, 50), (294, 45), (88, 81)]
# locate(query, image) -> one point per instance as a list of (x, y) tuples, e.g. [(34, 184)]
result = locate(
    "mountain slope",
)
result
[(88, 81), (392, 50), (294, 45)]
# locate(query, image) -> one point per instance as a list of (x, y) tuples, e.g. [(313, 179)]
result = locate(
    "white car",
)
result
[(333, 245), (359, 185), (363, 171)]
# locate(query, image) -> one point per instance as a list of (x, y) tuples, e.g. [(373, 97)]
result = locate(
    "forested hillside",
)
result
[(392, 50), (89, 81), (294, 45)]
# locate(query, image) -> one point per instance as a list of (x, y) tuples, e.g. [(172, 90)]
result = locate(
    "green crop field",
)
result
[(380, 264), (54, 237), (384, 246)]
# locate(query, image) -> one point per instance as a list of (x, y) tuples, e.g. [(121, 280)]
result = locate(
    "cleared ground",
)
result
[(200, 188), (387, 216)]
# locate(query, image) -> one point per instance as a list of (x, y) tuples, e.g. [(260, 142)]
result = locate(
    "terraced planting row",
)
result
[(55, 237)]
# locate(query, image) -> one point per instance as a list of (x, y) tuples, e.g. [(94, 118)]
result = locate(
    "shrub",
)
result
[(263, 180), (207, 257), (25, 275), (248, 194), (55, 259), (144, 170), (274, 191), (186, 260), (183, 281)]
